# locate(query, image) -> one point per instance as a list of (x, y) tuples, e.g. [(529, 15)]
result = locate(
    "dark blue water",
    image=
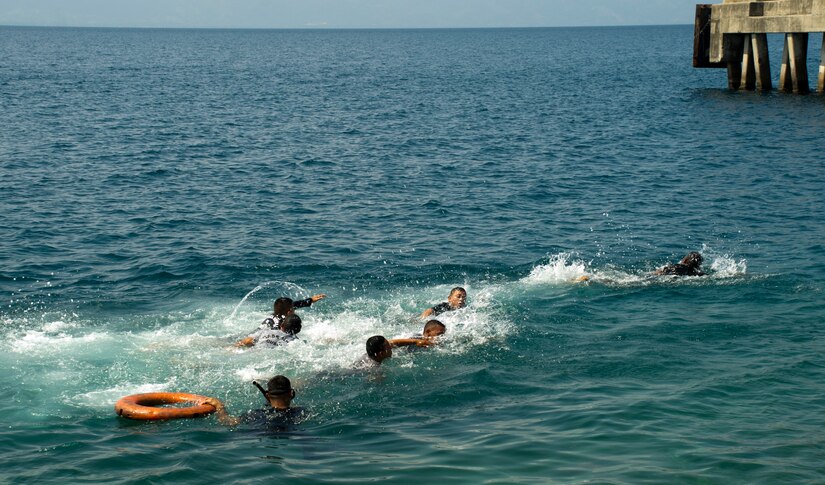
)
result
[(161, 187)]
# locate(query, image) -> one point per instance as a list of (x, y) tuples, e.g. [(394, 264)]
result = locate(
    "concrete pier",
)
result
[(820, 86), (733, 35)]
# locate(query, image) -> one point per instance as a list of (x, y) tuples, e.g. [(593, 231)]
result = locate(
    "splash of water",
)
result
[(724, 265), (561, 268), (291, 288)]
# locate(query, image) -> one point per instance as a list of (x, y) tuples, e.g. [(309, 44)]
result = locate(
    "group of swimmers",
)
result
[(283, 326)]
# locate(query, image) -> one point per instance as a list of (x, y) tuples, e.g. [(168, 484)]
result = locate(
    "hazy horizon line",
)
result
[(321, 27)]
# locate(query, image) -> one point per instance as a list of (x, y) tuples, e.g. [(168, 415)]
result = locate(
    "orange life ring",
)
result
[(143, 406)]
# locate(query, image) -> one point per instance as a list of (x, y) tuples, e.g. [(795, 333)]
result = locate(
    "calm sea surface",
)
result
[(159, 188)]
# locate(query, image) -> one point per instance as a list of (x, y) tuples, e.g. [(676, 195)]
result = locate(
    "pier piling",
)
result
[(733, 34), (748, 80), (820, 85), (762, 63), (793, 76)]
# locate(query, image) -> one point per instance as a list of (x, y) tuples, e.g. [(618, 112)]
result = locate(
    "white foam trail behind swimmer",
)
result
[(333, 338), (565, 268), (88, 363)]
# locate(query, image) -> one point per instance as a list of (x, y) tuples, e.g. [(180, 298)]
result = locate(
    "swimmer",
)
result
[(457, 299), (379, 349), (283, 306), (690, 265), (285, 333), (432, 329), (279, 395)]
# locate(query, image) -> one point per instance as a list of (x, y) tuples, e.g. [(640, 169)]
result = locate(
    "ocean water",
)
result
[(161, 187)]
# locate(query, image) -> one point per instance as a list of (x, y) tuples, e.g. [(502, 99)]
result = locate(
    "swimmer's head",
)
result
[(283, 306), (458, 297), (278, 385), (378, 348), (291, 324), (693, 260), (279, 392), (434, 328)]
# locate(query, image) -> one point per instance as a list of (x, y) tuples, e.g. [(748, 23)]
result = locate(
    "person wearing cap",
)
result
[(279, 395), (379, 349), (432, 329), (283, 307), (289, 328), (690, 265), (455, 300)]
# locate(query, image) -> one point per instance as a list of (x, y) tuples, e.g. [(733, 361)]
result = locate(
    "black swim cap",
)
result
[(291, 324), (375, 345), (282, 306), (278, 385)]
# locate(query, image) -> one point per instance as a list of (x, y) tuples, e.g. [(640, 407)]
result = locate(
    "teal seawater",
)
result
[(161, 187)]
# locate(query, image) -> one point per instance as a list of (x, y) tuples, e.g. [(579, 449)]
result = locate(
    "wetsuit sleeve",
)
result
[(302, 303), (440, 308)]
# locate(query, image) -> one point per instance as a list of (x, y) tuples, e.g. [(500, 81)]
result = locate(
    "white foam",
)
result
[(58, 326), (333, 336), (106, 398), (561, 268), (47, 341), (96, 362), (724, 265)]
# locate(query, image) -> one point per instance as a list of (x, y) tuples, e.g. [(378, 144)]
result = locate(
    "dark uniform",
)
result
[(441, 308), (680, 269), (273, 420)]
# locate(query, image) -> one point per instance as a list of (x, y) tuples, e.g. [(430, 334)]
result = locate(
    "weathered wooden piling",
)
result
[(733, 35)]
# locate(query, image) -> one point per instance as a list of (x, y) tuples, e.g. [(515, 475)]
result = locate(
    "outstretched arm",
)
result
[(419, 342), (427, 313), (220, 411), (308, 301)]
